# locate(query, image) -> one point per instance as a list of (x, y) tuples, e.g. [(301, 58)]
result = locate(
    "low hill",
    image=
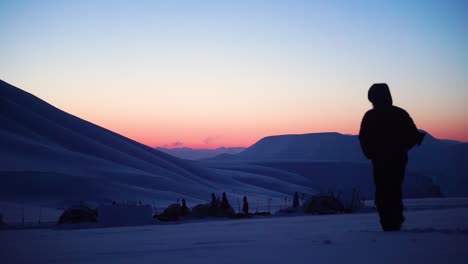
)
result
[(445, 161)]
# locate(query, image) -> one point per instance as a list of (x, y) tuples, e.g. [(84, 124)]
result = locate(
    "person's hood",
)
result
[(379, 95)]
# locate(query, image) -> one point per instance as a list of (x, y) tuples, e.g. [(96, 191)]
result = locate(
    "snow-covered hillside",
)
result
[(48, 155), (445, 161), (341, 178), (429, 236), (316, 147), (52, 158)]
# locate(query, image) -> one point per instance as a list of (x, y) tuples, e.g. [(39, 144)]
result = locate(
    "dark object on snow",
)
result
[(262, 213), (172, 213), (224, 202), (245, 206), (226, 210), (214, 209), (185, 210), (78, 214), (202, 211), (296, 200), (289, 210), (241, 216), (387, 134), (207, 210), (323, 204)]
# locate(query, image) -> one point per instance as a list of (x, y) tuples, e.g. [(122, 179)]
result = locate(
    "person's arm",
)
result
[(365, 137), (413, 136)]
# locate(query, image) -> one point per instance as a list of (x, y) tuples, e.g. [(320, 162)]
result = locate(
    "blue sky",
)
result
[(168, 71)]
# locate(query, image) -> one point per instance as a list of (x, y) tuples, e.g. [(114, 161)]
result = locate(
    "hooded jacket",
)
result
[(387, 131)]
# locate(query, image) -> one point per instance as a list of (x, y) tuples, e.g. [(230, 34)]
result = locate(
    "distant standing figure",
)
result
[(245, 206), (387, 134)]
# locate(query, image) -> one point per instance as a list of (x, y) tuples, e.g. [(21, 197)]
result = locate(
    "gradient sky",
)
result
[(206, 74)]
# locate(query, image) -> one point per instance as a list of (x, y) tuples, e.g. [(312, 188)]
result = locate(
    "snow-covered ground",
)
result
[(435, 234)]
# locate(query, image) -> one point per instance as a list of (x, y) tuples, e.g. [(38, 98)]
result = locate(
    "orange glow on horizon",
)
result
[(198, 139), (244, 130)]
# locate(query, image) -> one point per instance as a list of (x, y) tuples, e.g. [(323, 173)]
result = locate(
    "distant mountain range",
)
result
[(315, 147), (50, 156), (196, 154), (445, 161)]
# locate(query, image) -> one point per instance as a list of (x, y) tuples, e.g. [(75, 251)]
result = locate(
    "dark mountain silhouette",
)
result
[(445, 161), (317, 147), (196, 154)]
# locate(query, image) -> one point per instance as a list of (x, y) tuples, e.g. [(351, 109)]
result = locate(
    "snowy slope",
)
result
[(445, 161), (428, 236), (49, 154), (318, 176), (51, 157)]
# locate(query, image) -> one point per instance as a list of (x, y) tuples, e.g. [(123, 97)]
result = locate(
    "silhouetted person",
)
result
[(387, 134), (245, 206), (296, 200)]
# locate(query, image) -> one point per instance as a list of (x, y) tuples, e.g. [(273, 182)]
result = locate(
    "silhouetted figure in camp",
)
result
[(245, 206), (296, 200), (387, 134)]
